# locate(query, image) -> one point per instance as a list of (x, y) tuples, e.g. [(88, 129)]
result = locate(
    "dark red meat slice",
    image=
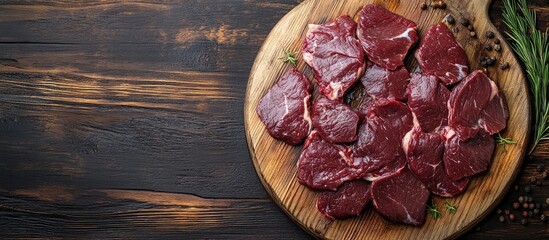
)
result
[(401, 197), (347, 201), (476, 103), (322, 165), (385, 36), (383, 83), (428, 100), (335, 56), (334, 121), (425, 153), (466, 158), (494, 115), (378, 150), (439, 54), (285, 108)]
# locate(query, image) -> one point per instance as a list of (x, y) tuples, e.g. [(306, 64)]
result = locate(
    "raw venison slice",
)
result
[(401, 197), (347, 201), (335, 56), (494, 115), (439, 54), (334, 121), (383, 83), (466, 158), (285, 108), (476, 103), (378, 151), (322, 165), (385, 36), (428, 100), (425, 153)]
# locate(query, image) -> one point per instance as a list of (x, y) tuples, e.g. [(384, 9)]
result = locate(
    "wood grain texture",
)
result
[(66, 159), (275, 161)]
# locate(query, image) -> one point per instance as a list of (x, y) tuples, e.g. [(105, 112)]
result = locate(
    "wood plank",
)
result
[(275, 161)]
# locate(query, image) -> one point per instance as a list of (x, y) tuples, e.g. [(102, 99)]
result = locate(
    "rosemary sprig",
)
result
[(532, 47), (289, 57), (433, 210), (504, 141), (450, 208)]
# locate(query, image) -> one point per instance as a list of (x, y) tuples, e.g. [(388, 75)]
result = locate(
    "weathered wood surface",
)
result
[(124, 119)]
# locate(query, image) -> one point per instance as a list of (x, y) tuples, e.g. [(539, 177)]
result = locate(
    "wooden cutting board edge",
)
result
[(301, 224)]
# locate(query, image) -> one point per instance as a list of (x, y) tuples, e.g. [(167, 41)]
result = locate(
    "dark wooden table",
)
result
[(123, 119)]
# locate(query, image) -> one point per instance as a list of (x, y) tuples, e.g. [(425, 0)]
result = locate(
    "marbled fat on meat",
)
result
[(439, 54), (386, 37), (284, 109), (335, 56), (466, 158)]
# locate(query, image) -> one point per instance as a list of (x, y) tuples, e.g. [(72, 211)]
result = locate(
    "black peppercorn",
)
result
[(501, 219), (464, 22), (499, 211), (539, 182), (524, 221), (497, 47), (507, 211), (543, 218), (489, 34), (527, 189), (529, 199), (532, 179), (496, 41), (536, 211), (490, 61), (450, 19), (442, 5), (516, 205), (423, 5), (483, 63), (488, 47), (521, 199), (516, 187), (543, 175), (511, 217), (531, 205), (530, 213), (539, 168)]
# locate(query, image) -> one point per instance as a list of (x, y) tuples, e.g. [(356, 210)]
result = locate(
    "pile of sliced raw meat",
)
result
[(412, 136)]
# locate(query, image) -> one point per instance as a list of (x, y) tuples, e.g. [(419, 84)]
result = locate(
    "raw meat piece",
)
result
[(335, 56), (467, 158), (494, 115), (285, 108), (384, 83), (428, 100), (439, 54), (425, 153), (476, 103), (385, 36), (347, 201), (322, 165), (334, 121), (378, 151), (401, 197)]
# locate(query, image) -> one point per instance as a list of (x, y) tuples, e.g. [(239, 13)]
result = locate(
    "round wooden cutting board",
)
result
[(275, 162)]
